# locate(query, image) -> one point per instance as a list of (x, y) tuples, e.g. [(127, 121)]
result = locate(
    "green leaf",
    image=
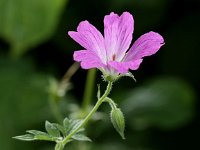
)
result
[(52, 129), (27, 23), (81, 137), (70, 125), (74, 124), (36, 132), (26, 137), (66, 125), (117, 119), (60, 128), (39, 135)]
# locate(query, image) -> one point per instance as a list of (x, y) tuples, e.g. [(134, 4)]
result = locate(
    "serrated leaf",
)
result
[(74, 124), (36, 132), (81, 130), (52, 129), (26, 137), (39, 135), (81, 137), (60, 128), (70, 125), (117, 119), (66, 125)]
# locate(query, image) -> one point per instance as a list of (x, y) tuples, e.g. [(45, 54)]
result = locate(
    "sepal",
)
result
[(129, 74)]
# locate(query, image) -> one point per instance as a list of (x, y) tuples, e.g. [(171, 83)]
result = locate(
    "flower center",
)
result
[(113, 57)]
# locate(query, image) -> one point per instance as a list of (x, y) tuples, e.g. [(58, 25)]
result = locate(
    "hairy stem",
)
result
[(111, 102), (99, 102)]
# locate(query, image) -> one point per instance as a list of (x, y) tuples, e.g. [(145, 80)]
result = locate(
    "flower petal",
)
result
[(146, 45), (123, 67), (90, 38), (88, 59), (118, 32)]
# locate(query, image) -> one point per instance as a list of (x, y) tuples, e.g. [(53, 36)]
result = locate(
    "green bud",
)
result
[(117, 119)]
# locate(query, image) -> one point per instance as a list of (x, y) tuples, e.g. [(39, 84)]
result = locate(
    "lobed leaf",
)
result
[(26, 137), (60, 128), (81, 137), (66, 125), (74, 124), (36, 132), (52, 129)]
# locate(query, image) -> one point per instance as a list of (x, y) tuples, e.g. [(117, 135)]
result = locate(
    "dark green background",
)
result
[(161, 108)]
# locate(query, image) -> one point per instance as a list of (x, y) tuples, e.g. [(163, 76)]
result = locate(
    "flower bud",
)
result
[(117, 119)]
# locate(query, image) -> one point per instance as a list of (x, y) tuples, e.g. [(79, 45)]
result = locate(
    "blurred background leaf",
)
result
[(23, 101), (166, 103), (27, 23)]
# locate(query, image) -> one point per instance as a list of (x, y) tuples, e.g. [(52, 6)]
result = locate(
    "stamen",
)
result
[(113, 57)]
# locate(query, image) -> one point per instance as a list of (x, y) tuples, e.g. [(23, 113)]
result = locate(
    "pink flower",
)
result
[(110, 53)]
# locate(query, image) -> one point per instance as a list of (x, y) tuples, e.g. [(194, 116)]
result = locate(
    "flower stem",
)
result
[(99, 102), (89, 86), (111, 102)]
